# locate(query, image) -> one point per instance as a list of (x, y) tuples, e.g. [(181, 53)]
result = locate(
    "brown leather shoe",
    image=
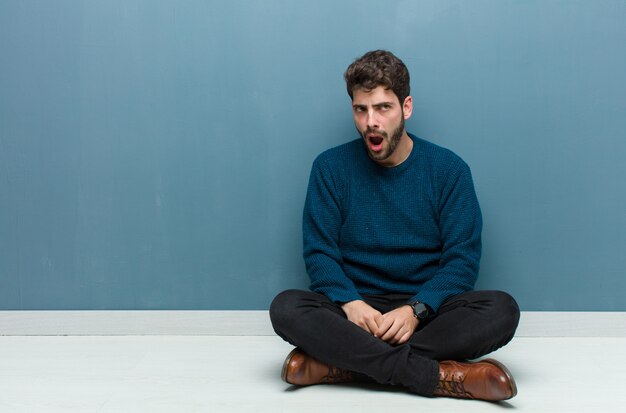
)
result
[(303, 370), (483, 380)]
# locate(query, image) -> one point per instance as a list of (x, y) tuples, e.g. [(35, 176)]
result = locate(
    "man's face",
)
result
[(379, 117)]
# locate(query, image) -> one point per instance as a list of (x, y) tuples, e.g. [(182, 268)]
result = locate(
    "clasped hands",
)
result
[(394, 327)]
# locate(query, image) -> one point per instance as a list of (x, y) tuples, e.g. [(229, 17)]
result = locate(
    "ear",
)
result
[(407, 107)]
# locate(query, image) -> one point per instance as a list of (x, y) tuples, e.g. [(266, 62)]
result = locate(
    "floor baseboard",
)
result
[(257, 323)]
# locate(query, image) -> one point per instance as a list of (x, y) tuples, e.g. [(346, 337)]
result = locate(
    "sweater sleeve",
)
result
[(321, 225), (460, 225)]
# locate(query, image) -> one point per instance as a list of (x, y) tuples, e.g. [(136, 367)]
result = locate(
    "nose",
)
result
[(372, 120)]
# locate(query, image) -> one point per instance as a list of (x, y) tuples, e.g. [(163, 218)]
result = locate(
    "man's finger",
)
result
[(374, 326), (383, 327), (404, 338), (379, 319), (391, 332), (364, 326), (399, 335)]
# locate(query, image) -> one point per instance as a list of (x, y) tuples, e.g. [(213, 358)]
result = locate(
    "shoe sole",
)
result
[(507, 373), (283, 373)]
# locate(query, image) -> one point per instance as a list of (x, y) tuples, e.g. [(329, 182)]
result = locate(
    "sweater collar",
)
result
[(398, 169)]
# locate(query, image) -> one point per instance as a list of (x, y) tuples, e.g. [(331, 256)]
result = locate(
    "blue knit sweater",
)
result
[(412, 229)]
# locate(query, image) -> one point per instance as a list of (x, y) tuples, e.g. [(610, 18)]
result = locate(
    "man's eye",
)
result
[(386, 107)]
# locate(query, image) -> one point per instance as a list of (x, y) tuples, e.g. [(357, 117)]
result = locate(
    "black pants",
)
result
[(466, 326)]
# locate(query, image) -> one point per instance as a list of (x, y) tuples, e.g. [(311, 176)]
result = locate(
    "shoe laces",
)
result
[(336, 375), (452, 385)]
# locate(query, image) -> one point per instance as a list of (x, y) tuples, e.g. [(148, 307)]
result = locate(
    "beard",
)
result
[(393, 141)]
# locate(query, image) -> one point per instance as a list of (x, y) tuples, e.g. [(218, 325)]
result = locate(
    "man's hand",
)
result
[(398, 325), (363, 315)]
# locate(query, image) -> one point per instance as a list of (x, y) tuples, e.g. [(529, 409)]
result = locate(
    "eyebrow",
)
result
[(376, 105)]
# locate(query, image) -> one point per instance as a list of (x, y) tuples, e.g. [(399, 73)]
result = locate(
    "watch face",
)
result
[(420, 310)]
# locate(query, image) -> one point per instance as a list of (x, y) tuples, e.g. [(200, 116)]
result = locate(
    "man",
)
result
[(392, 245)]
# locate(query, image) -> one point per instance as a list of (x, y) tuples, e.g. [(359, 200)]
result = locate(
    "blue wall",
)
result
[(155, 154)]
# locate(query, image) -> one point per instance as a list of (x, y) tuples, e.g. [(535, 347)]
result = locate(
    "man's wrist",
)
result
[(421, 310), (351, 303)]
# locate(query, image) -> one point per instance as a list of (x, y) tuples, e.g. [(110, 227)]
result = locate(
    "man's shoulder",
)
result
[(438, 156)]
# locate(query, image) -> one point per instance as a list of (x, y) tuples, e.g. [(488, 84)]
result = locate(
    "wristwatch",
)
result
[(420, 310)]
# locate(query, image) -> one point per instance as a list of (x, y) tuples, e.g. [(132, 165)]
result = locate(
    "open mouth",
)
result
[(375, 142)]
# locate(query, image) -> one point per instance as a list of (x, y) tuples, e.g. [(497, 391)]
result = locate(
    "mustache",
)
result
[(375, 131)]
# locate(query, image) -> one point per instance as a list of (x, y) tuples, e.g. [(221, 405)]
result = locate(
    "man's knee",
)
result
[(506, 309), (281, 304), (285, 306)]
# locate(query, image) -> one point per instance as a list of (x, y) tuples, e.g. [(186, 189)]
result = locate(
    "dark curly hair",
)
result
[(379, 68)]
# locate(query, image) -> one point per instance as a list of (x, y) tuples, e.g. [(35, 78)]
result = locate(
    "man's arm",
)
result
[(460, 225), (321, 224)]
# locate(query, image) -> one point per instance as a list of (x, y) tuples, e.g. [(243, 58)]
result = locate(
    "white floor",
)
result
[(242, 374)]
